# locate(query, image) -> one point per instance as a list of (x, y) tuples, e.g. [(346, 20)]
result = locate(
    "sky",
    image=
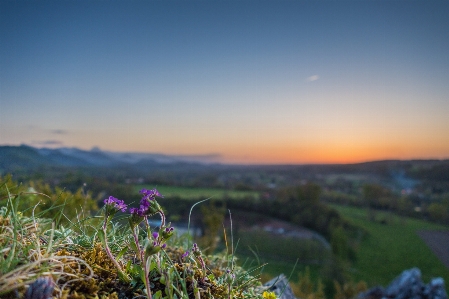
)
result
[(248, 82)]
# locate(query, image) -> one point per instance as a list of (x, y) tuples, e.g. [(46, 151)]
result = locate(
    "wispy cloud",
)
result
[(58, 131), (46, 143), (312, 78)]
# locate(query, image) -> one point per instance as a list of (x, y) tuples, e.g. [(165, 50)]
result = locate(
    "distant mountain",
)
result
[(133, 158), (26, 158), (16, 158), (77, 157)]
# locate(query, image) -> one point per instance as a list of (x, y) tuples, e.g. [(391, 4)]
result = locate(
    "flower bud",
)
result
[(151, 248), (135, 218), (167, 233), (185, 254), (229, 277)]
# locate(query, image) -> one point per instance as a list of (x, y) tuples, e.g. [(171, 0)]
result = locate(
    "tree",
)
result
[(438, 212)]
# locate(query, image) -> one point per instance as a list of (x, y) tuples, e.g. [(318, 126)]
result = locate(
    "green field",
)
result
[(279, 254), (197, 193), (393, 247)]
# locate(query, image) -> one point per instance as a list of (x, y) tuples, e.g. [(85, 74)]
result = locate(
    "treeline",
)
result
[(377, 197), (301, 205)]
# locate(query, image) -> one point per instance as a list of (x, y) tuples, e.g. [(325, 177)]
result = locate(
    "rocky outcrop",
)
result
[(280, 286), (408, 285)]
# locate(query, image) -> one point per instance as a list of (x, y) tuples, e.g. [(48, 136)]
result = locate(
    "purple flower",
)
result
[(155, 235), (150, 194), (138, 211), (116, 203), (144, 202), (110, 200), (134, 211), (185, 254)]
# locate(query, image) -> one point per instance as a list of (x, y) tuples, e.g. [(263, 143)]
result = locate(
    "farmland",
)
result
[(391, 246)]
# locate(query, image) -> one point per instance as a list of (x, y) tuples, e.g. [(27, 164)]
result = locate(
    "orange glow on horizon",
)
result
[(271, 148), (334, 155)]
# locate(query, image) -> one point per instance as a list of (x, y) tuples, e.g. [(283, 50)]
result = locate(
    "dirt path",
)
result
[(438, 241)]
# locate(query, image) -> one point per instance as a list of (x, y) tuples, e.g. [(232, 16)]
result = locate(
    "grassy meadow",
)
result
[(196, 193), (392, 246), (279, 253)]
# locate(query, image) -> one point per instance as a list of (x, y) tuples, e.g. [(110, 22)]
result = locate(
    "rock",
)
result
[(280, 286), (41, 288), (374, 293), (408, 285), (435, 289)]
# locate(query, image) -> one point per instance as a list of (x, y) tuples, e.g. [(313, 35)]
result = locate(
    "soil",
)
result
[(438, 241)]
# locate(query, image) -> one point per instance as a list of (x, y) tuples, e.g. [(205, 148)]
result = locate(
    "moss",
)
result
[(102, 283)]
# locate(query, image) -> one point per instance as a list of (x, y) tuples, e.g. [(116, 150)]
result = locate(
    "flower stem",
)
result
[(109, 253), (147, 279), (114, 261), (144, 262), (162, 218)]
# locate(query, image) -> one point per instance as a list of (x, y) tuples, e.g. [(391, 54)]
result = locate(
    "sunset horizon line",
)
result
[(223, 159)]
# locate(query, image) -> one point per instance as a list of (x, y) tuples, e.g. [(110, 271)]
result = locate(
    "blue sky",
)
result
[(251, 81)]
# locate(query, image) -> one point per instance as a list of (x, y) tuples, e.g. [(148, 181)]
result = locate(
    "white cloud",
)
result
[(313, 78)]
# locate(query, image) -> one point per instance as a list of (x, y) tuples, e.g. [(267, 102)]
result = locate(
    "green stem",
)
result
[(123, 275)]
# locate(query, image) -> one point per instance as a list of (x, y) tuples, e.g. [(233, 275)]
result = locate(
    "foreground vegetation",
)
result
[(45, 253)]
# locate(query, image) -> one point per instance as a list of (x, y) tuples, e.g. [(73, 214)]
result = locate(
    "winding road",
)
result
[(438, 241)]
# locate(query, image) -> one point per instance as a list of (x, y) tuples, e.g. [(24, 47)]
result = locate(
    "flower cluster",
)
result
[(154, 242), (269, 295), (117, 204), (147, 204), (150, 194)]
